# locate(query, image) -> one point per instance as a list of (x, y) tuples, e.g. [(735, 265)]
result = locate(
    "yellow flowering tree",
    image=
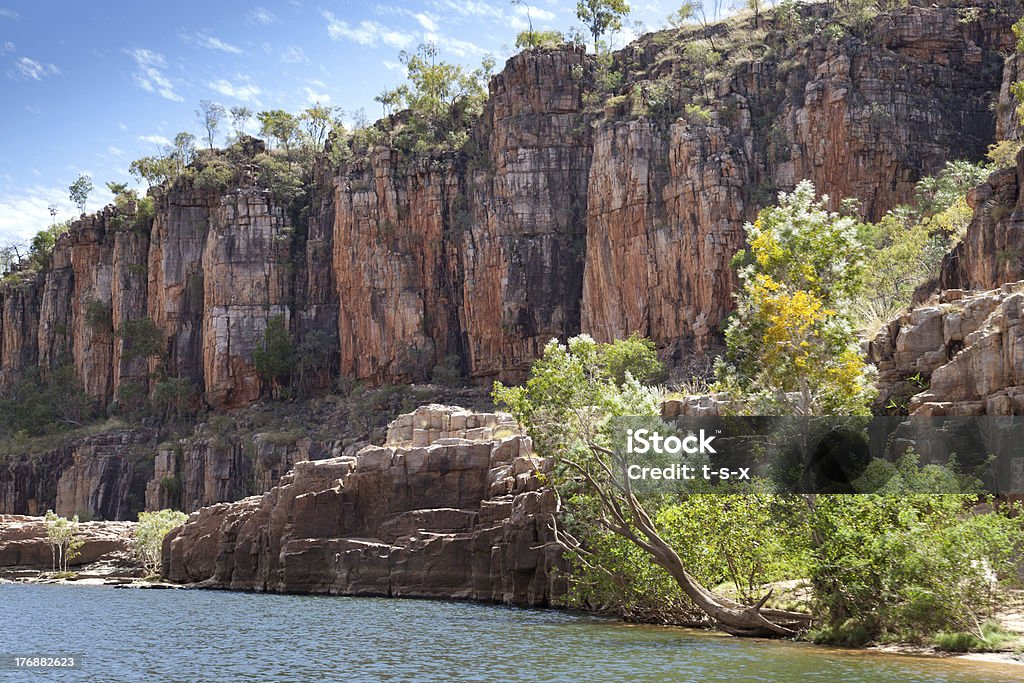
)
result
[(791, 346)]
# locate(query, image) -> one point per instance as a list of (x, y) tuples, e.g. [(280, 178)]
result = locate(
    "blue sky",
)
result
[(86, 87)]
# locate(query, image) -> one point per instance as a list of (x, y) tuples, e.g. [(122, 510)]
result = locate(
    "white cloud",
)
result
[(294, 55), (312, 96), (483, 10), (9, 14), (159, 140), (7, 47), (368, 33), (535, 13), (393, 66), (115, 151), (26, 212), (214, 43), (262, 16), (243, 91), (426, 21), (461, 48), (31, 70), (205, 40), (150, 78)]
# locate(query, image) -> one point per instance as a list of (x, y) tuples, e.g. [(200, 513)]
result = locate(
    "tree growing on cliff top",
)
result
[(601, 16), (80, 190), (148, 538), (566, 404), (63, 538), (210, 114)]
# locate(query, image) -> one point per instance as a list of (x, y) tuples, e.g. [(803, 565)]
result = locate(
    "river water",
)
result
[(176, 635)]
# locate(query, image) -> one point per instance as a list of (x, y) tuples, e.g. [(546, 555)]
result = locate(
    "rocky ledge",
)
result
[(106, 551), (451, 506)]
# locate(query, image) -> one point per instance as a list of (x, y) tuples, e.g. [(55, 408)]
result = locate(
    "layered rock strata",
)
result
[(452, 506)]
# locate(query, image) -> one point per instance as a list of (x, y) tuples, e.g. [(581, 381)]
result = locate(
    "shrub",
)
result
[(273, 358), (99, 316), (697, 115), (149, 536), (141, 338)]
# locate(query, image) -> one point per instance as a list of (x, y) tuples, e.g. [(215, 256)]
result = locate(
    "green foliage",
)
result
[(164, 168), (992, 638), (529, 40), (140, 338), (210, 114), (1003, 154), (601, 16), (80, 190), (175, 399), (697, 115), (313, 361), (99, 316), (440, 100), (274, 357), (282, 178), (935, 194), (149, 535), (791, 347), (281, 127), (907, 564), (686, 13), (240, 116), (216, 174), (906, 247), (38, 404), (63, 538)]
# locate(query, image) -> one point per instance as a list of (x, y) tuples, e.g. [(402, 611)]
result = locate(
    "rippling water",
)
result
[(154, 635)]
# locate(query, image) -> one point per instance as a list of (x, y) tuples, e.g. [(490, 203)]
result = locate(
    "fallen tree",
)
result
[(572, 394)]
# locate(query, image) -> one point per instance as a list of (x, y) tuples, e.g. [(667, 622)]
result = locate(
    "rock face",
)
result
[(556, 218), (23, 543), (102, 476), (993, 250), (205, 470), (450, 507), (961, 353)]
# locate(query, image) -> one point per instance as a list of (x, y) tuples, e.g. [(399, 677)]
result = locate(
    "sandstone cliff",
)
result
[(451, 506), (575, 206)]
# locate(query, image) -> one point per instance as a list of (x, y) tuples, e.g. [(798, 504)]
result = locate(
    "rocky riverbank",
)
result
[(105, 556), (451, 506)]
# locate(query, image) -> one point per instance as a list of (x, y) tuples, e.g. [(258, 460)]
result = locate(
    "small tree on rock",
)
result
[(63, 538), (80, 190), (601, 16)]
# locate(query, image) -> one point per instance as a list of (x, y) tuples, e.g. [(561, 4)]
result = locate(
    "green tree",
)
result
[(566, 405), (684, 15), (210, 114), (80, 190), (790, 345), (148, 537), (63, 538), (601, 16), (117, 188), (281, 127), (442, 99), (274, 357), (319, 120), (533, 39), (240, 116)]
